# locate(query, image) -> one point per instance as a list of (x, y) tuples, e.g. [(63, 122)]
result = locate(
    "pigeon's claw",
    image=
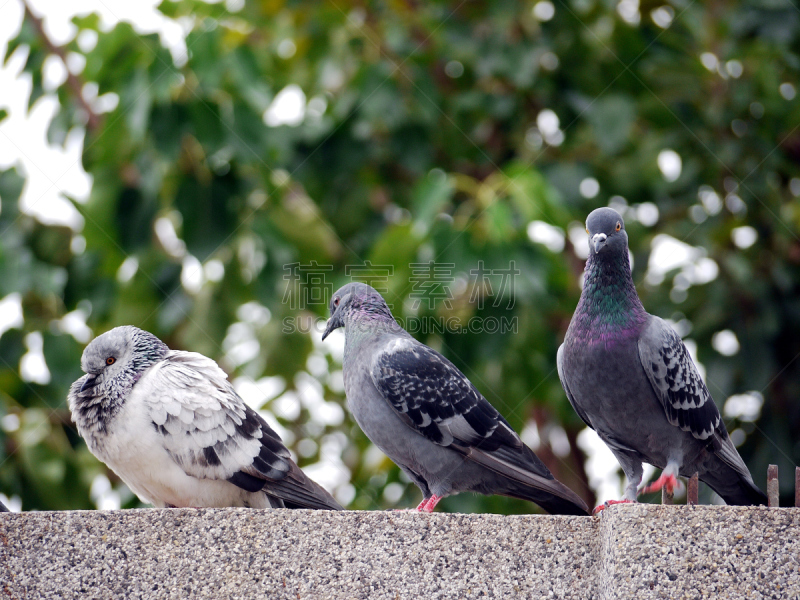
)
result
[(670, 482), (428, 504), (608, 503)]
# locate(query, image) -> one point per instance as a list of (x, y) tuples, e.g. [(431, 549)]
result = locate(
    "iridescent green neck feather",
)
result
[(609, 309)]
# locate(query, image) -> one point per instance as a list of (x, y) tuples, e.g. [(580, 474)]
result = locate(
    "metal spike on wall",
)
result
[(692, 490), (773, 487)]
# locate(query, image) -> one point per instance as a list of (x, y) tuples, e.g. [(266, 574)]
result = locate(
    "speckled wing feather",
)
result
[(436, 399), (676, 382), (686, 399), (433, 397), (211, 433)]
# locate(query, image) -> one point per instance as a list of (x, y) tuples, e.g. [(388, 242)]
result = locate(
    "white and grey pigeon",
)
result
[(170, 424), (629, 377), (426, 416)]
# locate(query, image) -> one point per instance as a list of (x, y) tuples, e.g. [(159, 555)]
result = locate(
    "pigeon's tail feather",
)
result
[(730, 478), (296, 490), (276, 502), (741, 492), (553, 496), (526, 478), (751, 495), (555, 502)]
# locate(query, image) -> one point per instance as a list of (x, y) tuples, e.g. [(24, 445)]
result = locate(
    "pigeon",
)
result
[(629, 377), (170, 424), (427, 417)]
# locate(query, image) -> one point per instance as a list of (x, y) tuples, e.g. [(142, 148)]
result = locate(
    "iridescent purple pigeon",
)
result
[(630, 378)]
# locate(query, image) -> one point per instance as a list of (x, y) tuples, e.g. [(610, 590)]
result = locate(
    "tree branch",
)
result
[(73, 81)]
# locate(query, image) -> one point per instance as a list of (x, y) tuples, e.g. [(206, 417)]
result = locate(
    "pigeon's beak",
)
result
[(333, 323), (331, 326), (599, 241), (337, 316), (89, 382)]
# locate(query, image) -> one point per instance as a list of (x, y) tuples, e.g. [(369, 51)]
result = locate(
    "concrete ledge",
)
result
[(640, 551)]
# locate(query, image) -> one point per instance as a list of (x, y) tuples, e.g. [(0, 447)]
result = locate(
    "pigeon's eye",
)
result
[(336, 301), (619, 225), (111, 360), (587, 230)]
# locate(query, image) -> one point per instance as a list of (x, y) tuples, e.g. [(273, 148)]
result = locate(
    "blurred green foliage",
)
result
[(428, 136)]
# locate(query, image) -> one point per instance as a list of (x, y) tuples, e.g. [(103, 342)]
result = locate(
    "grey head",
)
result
[(606, 231), (359, 301), (113, 363)]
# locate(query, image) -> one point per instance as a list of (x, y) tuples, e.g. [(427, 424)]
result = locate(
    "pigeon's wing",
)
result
[(431, 395), (211, 433), (676, 382), (685, 397), (559, 358)]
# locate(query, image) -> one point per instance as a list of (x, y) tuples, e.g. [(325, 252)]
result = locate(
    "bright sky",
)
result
[(54, 172)]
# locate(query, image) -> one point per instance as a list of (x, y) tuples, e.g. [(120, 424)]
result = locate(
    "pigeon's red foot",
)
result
[(608, 503), (421, 506), (669, 482), (428, 504)]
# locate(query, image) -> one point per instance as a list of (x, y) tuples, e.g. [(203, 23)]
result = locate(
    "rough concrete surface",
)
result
[(701, 552), (639, 551)]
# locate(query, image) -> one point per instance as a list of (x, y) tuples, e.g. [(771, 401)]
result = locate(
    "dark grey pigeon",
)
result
[(425, 415), (630, 378), (170, 424)]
